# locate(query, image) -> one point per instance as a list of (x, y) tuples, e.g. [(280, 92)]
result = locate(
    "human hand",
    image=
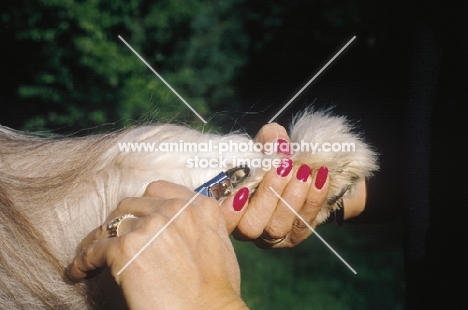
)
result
[(190, 265), (267, 220)]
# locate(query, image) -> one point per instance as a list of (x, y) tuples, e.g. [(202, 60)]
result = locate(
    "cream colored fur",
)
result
[(64, 188)]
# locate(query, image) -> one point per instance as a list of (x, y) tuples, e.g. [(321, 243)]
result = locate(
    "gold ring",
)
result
[(266, 238), (113, 226)]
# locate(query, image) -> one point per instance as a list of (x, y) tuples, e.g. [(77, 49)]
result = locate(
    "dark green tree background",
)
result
[(67, 65), (64, 64)]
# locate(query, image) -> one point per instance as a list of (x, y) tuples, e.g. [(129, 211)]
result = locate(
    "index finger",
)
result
[(167, 190), (94, 256)]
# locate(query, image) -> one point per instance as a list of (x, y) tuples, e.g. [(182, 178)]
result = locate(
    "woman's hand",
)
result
[(190, 265), (267, 219)]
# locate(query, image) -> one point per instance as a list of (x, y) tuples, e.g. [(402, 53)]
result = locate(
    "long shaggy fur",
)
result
[(53, 192)]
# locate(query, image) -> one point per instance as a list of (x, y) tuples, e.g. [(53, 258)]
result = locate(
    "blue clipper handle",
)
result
[(206, 187)]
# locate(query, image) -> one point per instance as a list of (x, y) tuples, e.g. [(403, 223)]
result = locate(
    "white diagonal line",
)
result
[(164, 81), (159, 232), (313, 230), (305, 86)]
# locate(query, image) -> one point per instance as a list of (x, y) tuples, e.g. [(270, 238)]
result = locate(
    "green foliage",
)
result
[(84, 75), (310, 276)]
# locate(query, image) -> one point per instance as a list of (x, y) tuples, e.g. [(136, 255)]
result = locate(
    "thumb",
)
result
[(233, 208), (274, 133)]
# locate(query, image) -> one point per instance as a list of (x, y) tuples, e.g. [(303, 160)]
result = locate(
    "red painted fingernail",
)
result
[(321, 177), (285, 168), (303, 173), (240, 199), (284, 148)]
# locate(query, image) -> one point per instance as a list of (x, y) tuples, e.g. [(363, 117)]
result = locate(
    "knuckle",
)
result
[(153, 220), (299, 224), (294, 198), (314, 203), (178, 203), (297, 238), (249, 231), (87, 255), (129, 245), (277, 229), (73, 266), (101, 232), (125, 203), (153, 188), (276, 183)]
